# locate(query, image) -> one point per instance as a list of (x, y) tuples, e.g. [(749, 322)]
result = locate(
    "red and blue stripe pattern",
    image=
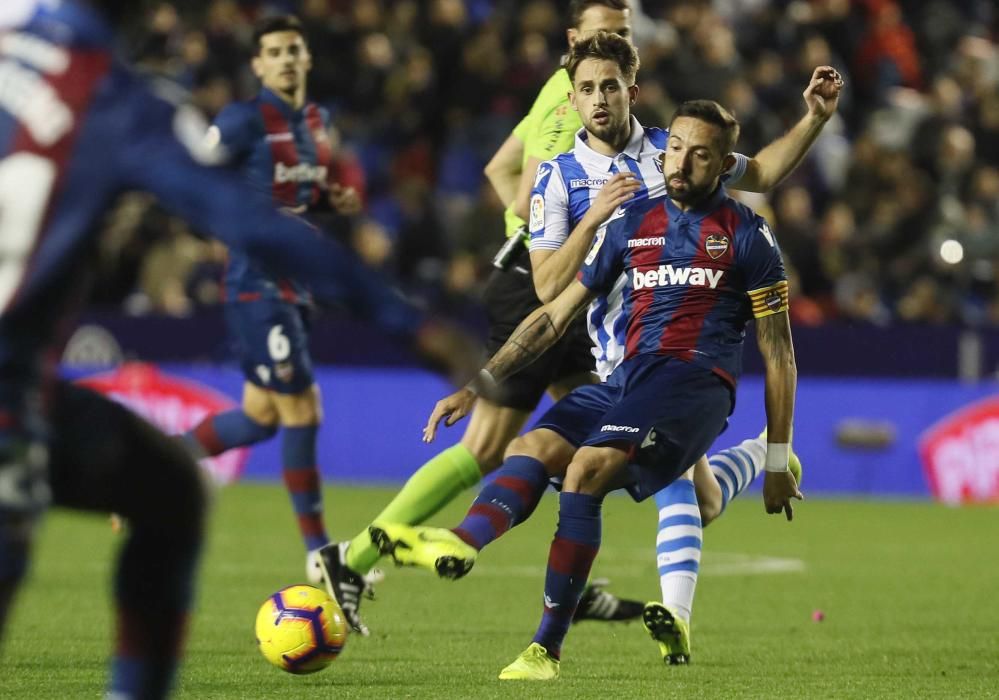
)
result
[(693, 279), (505, 502)]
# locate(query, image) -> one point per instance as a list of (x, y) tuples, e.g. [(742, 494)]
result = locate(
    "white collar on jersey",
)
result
[(587, 156)]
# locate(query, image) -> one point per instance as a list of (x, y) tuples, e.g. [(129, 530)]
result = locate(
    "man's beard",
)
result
[(689, 195), (613, 134)]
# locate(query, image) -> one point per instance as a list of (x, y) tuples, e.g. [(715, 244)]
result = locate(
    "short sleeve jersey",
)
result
[(281, 151), (565, 189), (548, 129), (691, 279)]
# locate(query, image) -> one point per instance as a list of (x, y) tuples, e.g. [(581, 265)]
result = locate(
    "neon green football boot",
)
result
[(431, 548), (534, 664), (670, 632)]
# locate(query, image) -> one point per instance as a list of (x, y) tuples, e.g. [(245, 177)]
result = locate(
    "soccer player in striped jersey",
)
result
[(77, 128), (697, 267), (279, 141), (615, 164)]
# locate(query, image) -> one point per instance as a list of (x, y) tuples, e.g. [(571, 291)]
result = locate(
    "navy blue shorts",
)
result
[(668, 411), (271, 340)]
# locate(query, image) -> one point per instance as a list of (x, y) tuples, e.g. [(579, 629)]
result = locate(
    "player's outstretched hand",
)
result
[(452, 409), (344, 200), (616, 191), (822, 93), (778, 490)]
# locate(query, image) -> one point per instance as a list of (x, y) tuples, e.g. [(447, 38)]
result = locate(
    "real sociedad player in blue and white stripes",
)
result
[(615, 164)]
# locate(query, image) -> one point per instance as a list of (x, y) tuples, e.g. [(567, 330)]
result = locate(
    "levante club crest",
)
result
[(716, 245)]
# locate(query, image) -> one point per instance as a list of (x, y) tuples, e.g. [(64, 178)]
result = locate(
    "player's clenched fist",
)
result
[(822, 93)]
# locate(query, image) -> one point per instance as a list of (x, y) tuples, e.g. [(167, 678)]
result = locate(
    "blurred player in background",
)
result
[(694, 254), (77, 128), (547, 130), (615, 164), (279, 141)]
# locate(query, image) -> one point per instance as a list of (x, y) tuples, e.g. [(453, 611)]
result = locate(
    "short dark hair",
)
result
[(578, 7), (606, 46), (278, 23), (713, 113)]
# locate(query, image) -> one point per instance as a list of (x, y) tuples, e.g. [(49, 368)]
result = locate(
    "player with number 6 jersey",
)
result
[(278, 140)]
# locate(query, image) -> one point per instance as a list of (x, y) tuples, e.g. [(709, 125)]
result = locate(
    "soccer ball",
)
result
[(300, 629)]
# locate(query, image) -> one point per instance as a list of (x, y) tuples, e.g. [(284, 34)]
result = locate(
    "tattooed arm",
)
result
[(773, 335), (529, 340)]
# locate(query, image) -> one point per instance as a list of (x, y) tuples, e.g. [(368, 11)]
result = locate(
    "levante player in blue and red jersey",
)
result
[(77, 128), (279, 142), (695, 266)]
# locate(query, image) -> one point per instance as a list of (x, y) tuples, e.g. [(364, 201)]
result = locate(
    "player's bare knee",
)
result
[(529, 445), (546, 446), (299, 410), (592, 471)]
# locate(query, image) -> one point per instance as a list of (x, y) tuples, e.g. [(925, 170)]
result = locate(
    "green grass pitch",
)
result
[(910, 592)]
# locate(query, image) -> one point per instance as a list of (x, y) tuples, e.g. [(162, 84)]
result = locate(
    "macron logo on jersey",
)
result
[(587, 182), (669, 276), (303, 172), (643, 242)]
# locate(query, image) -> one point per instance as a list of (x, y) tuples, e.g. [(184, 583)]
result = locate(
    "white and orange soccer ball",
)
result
[(300, 629)]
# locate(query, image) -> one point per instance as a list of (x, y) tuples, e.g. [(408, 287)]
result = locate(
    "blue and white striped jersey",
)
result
[(564, 189)]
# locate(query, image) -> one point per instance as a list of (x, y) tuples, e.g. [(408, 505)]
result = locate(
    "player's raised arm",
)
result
[(778, 159), (773, 335), (529, 340)]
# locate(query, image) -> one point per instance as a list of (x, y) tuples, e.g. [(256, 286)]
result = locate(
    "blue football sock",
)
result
[(301, 478), (572, 552), (224, 431), (505, 502)]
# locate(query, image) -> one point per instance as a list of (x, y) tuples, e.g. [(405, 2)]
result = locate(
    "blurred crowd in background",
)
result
[(893, 218)]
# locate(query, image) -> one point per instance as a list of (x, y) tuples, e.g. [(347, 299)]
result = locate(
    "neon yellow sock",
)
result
[(431, 487)]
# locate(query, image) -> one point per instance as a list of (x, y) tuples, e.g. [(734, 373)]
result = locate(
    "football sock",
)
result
[(429, 489), (505, 502), (301, 478), (153, 592), (736, 467), (678, 545), (572, 552), (224, 431)]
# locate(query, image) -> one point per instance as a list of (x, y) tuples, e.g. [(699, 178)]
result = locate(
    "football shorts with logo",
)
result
[(509, 298), (664, 411), (271, 341)]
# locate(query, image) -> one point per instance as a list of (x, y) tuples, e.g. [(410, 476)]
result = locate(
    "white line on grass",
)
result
[(712, 564)]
